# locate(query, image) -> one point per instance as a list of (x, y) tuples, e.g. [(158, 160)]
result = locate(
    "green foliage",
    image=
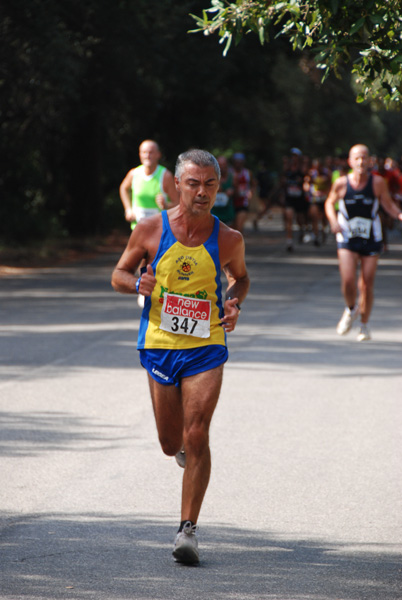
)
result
[(367, 34), (82, 84)]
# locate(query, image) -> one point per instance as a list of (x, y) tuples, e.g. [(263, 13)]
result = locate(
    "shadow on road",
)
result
[(104, 556), (28, 434)]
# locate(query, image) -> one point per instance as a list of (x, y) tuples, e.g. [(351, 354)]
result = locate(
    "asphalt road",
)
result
[(305, 498)]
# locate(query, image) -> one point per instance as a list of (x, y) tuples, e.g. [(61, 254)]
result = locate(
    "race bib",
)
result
[(222, 199), (359, 227), (186, 316), (294, 191)]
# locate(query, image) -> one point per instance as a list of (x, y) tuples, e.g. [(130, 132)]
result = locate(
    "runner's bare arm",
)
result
[(141, 245), (169, 187), (234, 266), (382, 192), (307, 183), (125, 195), (336, 192)]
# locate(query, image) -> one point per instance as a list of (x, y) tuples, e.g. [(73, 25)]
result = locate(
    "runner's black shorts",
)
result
[(361, 246)]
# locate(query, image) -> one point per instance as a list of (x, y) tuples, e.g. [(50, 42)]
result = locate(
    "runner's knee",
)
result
[(366, 287), (196, 439), (169, 445), (349, 286)]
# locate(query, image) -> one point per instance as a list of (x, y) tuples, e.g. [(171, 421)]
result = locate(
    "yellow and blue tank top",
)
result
[(185, 307)]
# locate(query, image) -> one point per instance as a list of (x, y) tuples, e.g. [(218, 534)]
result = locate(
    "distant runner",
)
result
[(358, 234), (149, 188)]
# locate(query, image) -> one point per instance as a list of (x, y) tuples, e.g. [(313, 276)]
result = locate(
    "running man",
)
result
[(317, 185), (223, 207), (295, 203), (182, 335), (149, 188), (358, 234), (243, 189)]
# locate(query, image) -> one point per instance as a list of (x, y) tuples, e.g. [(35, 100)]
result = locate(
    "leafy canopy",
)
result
[(366, 34)]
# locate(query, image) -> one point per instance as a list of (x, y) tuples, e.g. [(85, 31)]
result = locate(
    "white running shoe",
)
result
[(346, 322), (186, 545), (364, 333), (181, 458)]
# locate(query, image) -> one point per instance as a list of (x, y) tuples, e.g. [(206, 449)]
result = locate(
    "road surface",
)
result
[(305, 498)]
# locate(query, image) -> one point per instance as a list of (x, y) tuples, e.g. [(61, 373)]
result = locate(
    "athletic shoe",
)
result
[(364, 333), (289, 245), (186, 545), (346, 322), (181, 458)]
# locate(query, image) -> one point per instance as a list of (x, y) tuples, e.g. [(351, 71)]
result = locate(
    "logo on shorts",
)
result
[(159, 374)]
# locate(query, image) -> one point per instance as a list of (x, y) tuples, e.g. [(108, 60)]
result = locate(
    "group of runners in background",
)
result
[(299, 189), (355, 196), (304, 185)]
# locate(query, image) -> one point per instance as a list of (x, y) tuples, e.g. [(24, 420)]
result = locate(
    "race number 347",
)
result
[(186, 316)]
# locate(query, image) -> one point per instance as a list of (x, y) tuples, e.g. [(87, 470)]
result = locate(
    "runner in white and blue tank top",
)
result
[(359, 220), (352, 211)]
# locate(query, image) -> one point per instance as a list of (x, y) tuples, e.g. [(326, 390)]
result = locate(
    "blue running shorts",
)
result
[(168, 367)]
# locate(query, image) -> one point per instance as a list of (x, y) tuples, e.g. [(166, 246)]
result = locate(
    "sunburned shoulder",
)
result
[(341, 181), (147, 228), (149, 223), (380, 184), (340, 184), (229, 237), (131, 172), (377, 178)]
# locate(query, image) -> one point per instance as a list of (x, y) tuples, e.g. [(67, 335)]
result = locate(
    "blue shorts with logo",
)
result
[(168, 367), (361, 246)]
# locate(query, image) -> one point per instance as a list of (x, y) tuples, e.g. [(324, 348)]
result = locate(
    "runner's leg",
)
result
[(200, 395), (348, 268), (240, 220), (301, 220), (366, 286), (168, 411), (289, 215), (314, 214)]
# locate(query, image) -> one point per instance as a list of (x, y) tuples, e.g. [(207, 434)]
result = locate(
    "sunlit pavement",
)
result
[(305, 495)]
